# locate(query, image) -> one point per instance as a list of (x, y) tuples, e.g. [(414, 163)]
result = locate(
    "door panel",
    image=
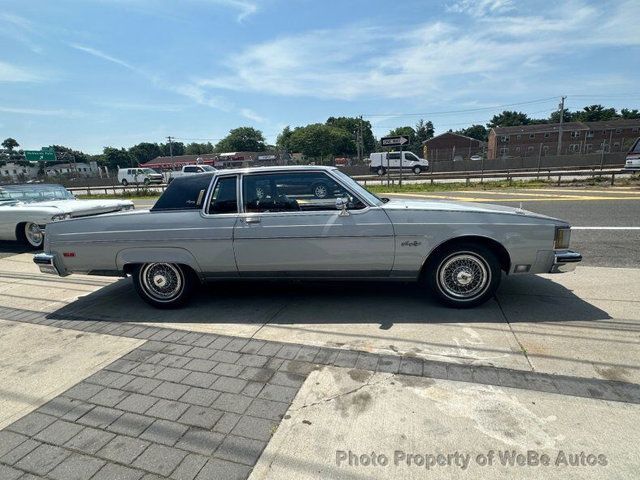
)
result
[(324, 242), (290, 226)]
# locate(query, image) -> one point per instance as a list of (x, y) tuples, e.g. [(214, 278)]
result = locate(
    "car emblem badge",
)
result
[(410, 244)]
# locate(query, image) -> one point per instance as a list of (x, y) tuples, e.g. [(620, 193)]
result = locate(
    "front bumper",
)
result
[(47, 264), (565, 261)]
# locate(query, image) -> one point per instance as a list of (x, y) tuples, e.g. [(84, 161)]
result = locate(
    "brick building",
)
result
[(452, 146), (577, 138)]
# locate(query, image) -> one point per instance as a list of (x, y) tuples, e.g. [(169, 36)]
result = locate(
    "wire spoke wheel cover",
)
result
[(34, 234), (320, 191), (464, 276), (162, 281)]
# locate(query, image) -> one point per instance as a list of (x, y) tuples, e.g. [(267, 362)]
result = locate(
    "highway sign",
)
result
[(398, 140), (40, 155)]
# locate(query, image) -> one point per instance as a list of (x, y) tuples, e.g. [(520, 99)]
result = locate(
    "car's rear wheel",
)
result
[(164, 285), (464, 275), (124, 182), (320, 190), (30, 235), (381, 171)]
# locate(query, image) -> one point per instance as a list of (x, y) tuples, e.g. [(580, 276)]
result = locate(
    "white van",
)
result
[(379, 162), (143, 176)]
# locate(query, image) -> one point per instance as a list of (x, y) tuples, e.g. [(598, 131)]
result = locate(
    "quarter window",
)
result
[(224, 198), (294, 192)]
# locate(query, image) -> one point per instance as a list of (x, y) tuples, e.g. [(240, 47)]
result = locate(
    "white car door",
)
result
[(289, 226)]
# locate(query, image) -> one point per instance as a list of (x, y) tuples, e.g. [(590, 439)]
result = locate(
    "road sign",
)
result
[(40, 156), (393, 141)]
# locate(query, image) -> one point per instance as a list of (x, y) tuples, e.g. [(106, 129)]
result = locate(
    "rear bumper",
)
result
[(565, 261), (47, 264)]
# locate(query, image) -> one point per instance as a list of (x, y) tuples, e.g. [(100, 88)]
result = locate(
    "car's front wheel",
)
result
[(417, 170), (164, 285), (31, 235), (464, 275)]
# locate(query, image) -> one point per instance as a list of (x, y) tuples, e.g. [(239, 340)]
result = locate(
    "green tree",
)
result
[(10, 144), (479, 132), (283, 141), (352, 126), (424, 131), (630, 114), (566, 117), (319, 140), (199, 148), (177, 148), (242, 139), (69, 155), (118, 158), (509, 119), (595, 113), (145, 151)]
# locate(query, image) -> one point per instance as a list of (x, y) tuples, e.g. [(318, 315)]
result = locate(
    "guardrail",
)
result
[(427, 177), (468, 177)]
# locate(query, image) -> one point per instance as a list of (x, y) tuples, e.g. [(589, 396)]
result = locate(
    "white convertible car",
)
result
[(25, 210)]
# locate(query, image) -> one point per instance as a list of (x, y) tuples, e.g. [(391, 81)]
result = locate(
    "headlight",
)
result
[(562, 238), (60, 216)]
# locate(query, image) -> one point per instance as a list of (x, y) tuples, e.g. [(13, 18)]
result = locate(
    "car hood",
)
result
[(76, 208), (452, 206)]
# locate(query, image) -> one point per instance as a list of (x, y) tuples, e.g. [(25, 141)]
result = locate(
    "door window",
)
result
[(224, 198), (393, 156), (294, 192), (190, 169)]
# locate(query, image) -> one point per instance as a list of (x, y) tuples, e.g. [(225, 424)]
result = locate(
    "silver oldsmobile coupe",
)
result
[(269, 222), (25, 210)]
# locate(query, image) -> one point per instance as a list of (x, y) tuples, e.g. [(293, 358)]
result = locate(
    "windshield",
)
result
[(357, 188), (33, 193), (149, 170), (208, 168)]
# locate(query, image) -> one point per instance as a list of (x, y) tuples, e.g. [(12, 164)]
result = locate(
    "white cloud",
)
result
[(251, 115), (245, 8), (13, 73), (41, 112), (497, 46), (20, 30), (481, 8), (104, 56)]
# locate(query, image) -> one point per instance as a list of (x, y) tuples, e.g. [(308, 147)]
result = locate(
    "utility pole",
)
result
[(170, 146), (360, 142), (561, 107)]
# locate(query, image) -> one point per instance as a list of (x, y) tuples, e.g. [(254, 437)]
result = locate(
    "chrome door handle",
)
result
[(252, 220)]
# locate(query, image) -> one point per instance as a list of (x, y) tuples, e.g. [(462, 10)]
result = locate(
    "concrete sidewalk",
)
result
[(353, 424)]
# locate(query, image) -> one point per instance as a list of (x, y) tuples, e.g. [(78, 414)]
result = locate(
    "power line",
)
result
[(540, 100)]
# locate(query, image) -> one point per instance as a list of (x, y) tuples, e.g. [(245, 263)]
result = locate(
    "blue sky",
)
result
[(92, 73)]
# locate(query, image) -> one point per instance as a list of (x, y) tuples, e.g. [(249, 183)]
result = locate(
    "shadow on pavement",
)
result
[(287, 302)]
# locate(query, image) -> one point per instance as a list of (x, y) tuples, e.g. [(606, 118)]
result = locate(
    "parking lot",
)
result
[(551, 363)]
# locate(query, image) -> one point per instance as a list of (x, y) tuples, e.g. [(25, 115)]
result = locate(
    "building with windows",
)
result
[(577, 138), (80, 169), (17, 172), (452, 146)]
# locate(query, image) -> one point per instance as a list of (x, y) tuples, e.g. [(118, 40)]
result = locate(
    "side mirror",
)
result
[(341, 204)]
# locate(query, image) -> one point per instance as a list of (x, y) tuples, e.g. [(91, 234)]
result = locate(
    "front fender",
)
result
[(182, 256)]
